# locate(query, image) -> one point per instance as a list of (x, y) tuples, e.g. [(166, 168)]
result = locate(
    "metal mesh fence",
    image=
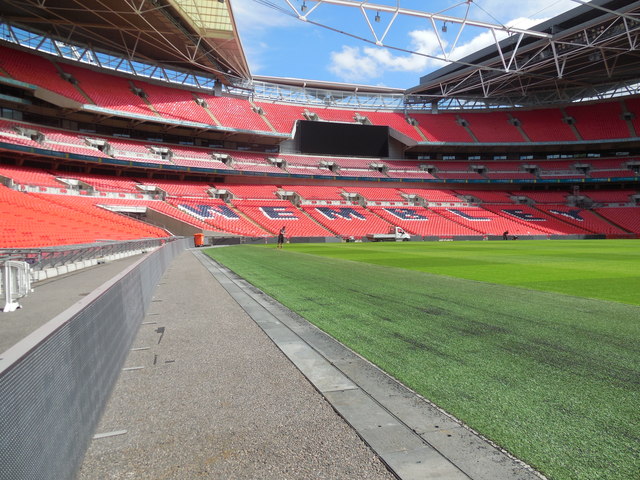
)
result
[(52, 397)]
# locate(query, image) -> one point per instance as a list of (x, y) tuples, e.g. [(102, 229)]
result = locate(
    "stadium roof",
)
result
[(584, 53), (186, 34)]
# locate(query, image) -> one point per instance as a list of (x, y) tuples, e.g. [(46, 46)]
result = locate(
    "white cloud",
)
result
[(351, 65), (355, 64)]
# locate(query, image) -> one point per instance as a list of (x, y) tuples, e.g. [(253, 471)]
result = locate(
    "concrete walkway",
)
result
[(206, 394), (53, 296)]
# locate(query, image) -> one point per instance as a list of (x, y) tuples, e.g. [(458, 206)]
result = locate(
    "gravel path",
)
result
[(217, 399)]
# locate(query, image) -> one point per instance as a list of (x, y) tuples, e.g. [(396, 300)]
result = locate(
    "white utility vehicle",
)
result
[(396, 234)]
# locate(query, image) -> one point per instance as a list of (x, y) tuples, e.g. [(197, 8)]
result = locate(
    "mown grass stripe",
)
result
[(553, 378)]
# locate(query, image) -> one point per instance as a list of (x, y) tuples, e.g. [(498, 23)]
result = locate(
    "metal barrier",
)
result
[(15, 283), (54, 384), (41, 258)]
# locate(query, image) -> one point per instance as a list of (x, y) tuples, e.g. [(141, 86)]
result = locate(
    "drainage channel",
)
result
[(414, 438)]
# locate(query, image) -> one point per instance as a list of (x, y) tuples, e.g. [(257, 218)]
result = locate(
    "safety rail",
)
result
[(51, 257)]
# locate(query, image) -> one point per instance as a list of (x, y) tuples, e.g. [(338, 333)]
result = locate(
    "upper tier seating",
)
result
[(316, 192), (394, 120), (377, 194), (593, 121), (492, 127), (234, 113), (510, 175), (559, 198), (633, 107), (9, 134), (487, 196), (334, 114), (433, 195), (109, 91), (395, 173), (30, 176), (610, 196), (599, 120), (611, 173), (544, 125), (37, 70), (250, 192), (175, 188), (102, 183), (272, 215), (196, 157), (174, 103), (282, 117), (458, 175), (441, 127)]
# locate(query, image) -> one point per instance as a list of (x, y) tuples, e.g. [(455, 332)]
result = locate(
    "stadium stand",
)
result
[(175, 188), (490, 223), (441, 127), (109, 91), (30, 176), (316, 192), (627, 218), (234, 113), (581, 218), (485, 196), (433, 195), (610, 196), (174, 103), (376, 194), (545, 125), (396, 121), (559, 198), (347, 220), (251, 192), (421, 221), (493, 127), (282, 117), (37, 70), (191, 201), (272, 215), (219, 215), (32, 220), (599, 121)]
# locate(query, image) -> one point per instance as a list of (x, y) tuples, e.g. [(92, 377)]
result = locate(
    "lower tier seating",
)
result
[(43, 210)]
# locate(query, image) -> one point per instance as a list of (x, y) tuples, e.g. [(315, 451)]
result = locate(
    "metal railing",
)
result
[(49, 257)]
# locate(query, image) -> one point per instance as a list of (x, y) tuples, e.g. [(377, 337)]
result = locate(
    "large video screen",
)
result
[(343, 139)]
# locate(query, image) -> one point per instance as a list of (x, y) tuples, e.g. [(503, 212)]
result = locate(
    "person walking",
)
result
[(283, 230)]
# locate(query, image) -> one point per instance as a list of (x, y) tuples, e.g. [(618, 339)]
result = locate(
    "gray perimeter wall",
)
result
[(55, 383)]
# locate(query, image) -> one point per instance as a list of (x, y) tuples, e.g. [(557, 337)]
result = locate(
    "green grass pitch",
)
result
[(535, 344)]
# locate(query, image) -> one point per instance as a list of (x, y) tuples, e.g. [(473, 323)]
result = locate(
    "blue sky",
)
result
[(278, 44)]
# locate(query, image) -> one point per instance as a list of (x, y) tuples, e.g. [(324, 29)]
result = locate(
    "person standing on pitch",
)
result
[(281, 236)]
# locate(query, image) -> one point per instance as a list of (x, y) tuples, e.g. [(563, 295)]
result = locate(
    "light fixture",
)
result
[(377, 18), (303, 7), (444, 27)]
